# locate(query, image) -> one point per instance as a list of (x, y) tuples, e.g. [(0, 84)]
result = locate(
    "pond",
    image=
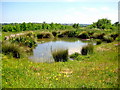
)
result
[(43, 51)]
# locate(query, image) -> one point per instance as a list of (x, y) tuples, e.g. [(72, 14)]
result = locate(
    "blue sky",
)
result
[(67, 11)]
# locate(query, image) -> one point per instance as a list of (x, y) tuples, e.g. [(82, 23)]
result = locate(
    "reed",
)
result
[(88, 49), (45, 35), (13, 50), (60, 55)]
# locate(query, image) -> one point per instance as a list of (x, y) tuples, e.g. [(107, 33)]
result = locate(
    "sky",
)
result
[(58, 11)]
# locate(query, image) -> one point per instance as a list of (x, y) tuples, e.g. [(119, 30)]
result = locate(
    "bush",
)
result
[(54, 33), (87, 49), (71, 34), (98, 35), (60, 55), (45, 35), (24, 40), (83, 35), (98, 42), (114, 35), (74, 55), (108, 38), (12, 49), (63, 33), (118, 38)]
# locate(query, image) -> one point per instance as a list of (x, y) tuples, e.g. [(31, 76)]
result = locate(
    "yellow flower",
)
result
[(64, 75), (59, 74), (56, 78)]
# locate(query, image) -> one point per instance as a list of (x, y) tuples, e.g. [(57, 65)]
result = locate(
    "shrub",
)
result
[(98, 42), (12, 49), (108, 38), (98, 35), (83, 35), (60, 55), (118, 38), (63, 33), (114, 35), (74, 55), (87, 49), (30, 34), (24, 40), (54, 33), (71, 34), (45, 35)]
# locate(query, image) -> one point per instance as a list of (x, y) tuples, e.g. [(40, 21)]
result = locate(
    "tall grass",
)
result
[(84, 35), (108, 39), (13, 50), (44, 35), (88, 49), (60, 55)]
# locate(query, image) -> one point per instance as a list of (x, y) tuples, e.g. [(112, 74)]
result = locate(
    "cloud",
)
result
[(90, 14)]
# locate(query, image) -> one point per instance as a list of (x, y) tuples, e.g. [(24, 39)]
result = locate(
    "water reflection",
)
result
[(43, 51)]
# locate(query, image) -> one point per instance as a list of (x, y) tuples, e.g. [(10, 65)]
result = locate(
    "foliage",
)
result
[(88, 49), (54, 33), (83, 35), (75, 25), (102, 24), (99, 70), (24, 40), (98, 35), (16, 27), (114, 35), (98, 41), (74, 55), (60, 55), (12, 49), (118, 38), (44, 35), (108, 38)]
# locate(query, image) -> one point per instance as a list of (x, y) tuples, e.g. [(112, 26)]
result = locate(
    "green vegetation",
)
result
[(12, 49), (98, 42), (88, 49), (60, 55), (95, 67), (44, 35), (100, 70), (104, 24)]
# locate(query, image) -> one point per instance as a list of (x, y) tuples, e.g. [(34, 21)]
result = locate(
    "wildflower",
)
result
[(65, 76), (56, 78), (59, 74)]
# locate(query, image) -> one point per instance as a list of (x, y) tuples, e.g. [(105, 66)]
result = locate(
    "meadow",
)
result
[(99, 70), (95, 67)]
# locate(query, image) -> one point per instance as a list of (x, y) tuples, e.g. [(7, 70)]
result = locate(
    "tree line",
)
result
[(16, 27), (104, 24)]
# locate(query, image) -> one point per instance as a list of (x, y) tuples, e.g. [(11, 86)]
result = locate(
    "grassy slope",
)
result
[(98, 70)]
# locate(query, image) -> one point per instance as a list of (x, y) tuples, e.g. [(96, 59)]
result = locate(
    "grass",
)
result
[(44, 35), (60, 55), (88, 49), (99, 70), (12, 49)]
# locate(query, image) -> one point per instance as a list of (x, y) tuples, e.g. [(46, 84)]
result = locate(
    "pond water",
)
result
[(43, 51)]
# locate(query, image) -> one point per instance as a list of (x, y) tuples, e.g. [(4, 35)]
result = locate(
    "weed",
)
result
[(74, 55), (83, 35), (12, 49), (108, 38), (88, 49), (98, 41), (60, 55), (45, 35)]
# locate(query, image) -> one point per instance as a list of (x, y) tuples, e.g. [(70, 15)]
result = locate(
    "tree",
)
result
[(23, 26), (75, 25)]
